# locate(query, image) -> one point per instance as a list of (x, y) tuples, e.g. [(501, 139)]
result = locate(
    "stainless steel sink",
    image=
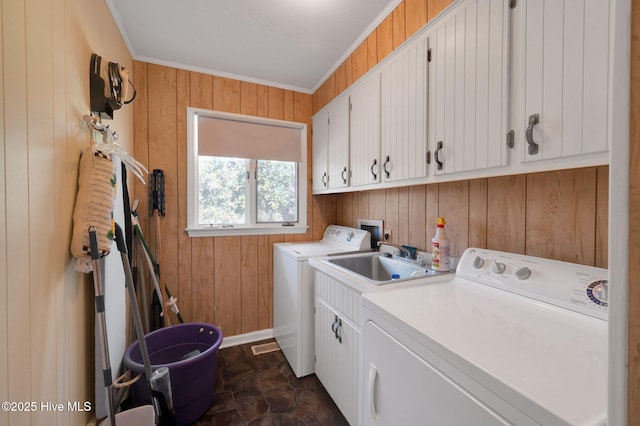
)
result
[(382, 270)]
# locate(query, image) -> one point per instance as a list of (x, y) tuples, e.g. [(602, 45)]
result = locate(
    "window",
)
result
[(245, 175)]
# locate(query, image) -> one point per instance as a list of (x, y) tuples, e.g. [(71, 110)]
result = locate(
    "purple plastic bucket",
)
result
[(193, 380)]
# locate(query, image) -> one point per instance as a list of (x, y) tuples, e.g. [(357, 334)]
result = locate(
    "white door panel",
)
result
[(566, 64), (364, 143), (400, 388)]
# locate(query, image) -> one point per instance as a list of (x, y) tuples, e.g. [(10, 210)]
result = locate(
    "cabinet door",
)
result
[(470, 95), (338, 152), (326, 345), (337, 338), (402, 389), (337, 358), (566, 68), (320, 146), (403, 102), (364, 143)]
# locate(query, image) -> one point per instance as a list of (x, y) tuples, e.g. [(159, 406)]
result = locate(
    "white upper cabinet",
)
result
[(338, 153), (488, 88), (403, 103), (469, 82), (565, 50), (320, 172), (365, 132), (331, 146)]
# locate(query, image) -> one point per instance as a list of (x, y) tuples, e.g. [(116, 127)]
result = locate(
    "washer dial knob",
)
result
[(498, 268), (523, 273), (478, 262), (597, 292)]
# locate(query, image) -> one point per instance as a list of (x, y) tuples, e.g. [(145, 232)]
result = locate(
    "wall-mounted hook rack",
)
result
[(100, 104), (95, 123), (108, 145)]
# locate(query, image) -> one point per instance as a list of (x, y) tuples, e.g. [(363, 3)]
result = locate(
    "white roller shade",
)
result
[(221, 137)]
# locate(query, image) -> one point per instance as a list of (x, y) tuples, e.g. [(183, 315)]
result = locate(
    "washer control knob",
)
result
[(598, 291), (498, 268), (523, 273), (478, 262)]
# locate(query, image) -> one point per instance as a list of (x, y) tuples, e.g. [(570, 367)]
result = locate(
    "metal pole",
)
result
[(102, 326)]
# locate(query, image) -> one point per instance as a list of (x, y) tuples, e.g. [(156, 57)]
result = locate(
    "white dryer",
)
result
[(293, 291), (512, 339)]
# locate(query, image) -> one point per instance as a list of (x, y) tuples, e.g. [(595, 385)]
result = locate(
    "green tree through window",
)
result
[(224, 185), (222, 190), (277, 191)]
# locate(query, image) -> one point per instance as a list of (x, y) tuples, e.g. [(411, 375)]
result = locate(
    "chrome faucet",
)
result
[(403, 251)]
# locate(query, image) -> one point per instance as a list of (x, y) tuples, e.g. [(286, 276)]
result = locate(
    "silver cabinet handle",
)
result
[(436, 155), (533, 146), (344, 179), (384, 167), (375, 163), (333, 326), (373, 373), (338, 327), (325, 179)]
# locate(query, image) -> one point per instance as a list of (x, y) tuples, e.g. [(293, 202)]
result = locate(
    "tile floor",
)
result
[(262, 390)]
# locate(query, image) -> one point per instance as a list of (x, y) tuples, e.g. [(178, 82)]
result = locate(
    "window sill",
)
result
[(262, 230)]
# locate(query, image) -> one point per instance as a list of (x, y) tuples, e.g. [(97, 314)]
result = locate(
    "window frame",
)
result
[(194, 229)]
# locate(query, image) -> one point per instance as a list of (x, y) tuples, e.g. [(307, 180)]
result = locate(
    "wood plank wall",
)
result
[(405, 20), (224, 280), (46, 307), (558, 215)]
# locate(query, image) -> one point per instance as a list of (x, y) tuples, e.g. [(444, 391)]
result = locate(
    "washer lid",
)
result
[(549, 362), (318, 248)]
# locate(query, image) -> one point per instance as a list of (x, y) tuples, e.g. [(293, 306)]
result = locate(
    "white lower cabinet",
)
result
[(337, 340), (400, 388)]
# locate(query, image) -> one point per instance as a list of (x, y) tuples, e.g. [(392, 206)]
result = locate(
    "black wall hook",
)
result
[(100, 104), (156, 192)]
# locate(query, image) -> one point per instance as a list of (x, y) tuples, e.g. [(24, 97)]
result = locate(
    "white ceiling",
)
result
[(293, 44)]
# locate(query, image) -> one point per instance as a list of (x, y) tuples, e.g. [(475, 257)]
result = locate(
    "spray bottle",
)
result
[(440, 248)]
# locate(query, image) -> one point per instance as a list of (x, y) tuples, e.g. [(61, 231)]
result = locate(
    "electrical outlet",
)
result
[(387, 234)]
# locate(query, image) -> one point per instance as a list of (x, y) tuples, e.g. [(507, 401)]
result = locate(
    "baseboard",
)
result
[(241, 339)]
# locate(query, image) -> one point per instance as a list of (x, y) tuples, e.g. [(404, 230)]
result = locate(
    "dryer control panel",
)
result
[(572, 286)]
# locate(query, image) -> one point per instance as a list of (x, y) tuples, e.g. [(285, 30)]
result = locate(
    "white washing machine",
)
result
[(293, 291), (512, 339)]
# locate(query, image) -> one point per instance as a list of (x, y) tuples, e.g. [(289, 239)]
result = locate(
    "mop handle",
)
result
[(135, 310), (102, 326)]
